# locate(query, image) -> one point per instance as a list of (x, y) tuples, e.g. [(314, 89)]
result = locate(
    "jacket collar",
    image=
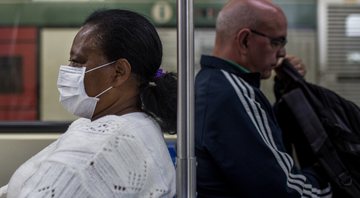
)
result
[(218, 63)]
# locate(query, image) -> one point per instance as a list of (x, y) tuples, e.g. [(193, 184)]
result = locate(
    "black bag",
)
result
[(323, 127)]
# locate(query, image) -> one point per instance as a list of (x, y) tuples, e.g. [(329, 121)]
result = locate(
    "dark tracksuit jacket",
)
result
[(238, 143)]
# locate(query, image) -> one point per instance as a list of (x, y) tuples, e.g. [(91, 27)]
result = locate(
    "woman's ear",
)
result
[(122, 71)]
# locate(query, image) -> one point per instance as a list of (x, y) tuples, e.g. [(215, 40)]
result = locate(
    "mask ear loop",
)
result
[(97, 96), (98, 67)]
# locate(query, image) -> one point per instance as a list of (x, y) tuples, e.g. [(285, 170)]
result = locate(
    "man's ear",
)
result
[(122, 71), (242, 38)]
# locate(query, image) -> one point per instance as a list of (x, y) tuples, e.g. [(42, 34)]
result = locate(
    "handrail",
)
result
[(186, 161)]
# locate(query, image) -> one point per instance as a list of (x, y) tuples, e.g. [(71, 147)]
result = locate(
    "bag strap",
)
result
[(307, 119)]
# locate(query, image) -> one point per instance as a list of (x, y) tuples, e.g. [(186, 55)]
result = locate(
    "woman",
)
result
[(116, 149)]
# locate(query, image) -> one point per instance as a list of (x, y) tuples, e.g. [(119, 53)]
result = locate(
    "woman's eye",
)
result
[(74, 63)]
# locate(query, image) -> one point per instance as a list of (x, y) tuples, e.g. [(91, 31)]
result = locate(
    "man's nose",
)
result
[(281, 52)]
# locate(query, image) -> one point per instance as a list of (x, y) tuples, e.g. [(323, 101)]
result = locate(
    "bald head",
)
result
[(251, 33), (238, 14)]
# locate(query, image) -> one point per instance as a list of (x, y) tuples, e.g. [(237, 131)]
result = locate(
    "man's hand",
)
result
[(293, 60), (297, 63)]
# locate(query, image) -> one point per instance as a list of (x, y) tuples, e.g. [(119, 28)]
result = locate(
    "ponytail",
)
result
[(159, 99)]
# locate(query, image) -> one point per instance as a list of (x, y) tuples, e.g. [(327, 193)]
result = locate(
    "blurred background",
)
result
[(36, 36)]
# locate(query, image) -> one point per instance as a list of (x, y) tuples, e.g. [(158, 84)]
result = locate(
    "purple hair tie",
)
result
[(159, 73)]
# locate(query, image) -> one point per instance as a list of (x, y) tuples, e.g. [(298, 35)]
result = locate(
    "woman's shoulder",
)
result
[(132, 124), (85, 139)]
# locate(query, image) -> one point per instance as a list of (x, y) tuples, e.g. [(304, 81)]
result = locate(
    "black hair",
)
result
[(129, 35)]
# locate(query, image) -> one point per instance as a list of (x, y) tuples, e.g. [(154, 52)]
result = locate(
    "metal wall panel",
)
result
[(340, 49)]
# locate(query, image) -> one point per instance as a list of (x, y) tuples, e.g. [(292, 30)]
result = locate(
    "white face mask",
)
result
[(72, 91)]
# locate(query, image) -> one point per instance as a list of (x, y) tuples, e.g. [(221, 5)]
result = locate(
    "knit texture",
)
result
[(114, 156)]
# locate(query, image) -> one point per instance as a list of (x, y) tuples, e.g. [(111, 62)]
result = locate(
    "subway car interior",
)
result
[(36, 35)]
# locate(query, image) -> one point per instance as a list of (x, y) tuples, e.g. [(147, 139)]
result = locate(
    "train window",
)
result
[(353, 25), (11, 76), (35, 38)]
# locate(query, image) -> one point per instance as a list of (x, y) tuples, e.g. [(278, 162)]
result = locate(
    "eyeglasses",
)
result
[(279, 42)]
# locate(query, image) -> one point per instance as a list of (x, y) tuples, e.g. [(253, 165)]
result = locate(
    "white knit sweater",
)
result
[(114, 156)]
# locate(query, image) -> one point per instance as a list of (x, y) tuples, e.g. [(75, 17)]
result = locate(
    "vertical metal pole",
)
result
[(186, 162)]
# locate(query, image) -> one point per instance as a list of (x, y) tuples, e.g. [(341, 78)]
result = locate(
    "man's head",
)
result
[(251, 33)]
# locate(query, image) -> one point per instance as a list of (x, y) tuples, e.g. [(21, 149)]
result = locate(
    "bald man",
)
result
[(239, 145)]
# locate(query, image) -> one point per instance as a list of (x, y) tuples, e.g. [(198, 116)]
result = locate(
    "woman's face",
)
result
[(86, 52)]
